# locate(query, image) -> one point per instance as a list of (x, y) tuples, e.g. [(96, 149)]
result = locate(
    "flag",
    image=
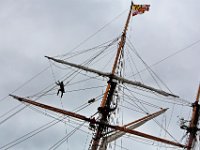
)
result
[(139, 9)]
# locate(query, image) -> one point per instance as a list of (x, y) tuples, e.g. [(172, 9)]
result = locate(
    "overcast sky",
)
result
[(29, 30)]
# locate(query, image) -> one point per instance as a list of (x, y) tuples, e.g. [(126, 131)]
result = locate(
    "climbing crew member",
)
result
[(62, 88)]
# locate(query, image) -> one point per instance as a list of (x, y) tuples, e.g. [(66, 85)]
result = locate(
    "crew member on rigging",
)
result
[(61, 89)]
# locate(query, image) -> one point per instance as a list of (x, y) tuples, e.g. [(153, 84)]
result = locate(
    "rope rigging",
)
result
[(131, 61), (147, 112), (171, 55), (46, 126), (94, 34), (147, 142), (57, 144), (148, 68), (70, 76), (25, 83), (166, 100), (102, 46)]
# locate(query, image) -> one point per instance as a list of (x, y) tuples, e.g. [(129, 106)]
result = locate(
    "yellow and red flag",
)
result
[(139, 9)]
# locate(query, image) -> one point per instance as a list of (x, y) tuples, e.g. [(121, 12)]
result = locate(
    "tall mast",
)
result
[(107, 98), (193, 127), (102, 123)]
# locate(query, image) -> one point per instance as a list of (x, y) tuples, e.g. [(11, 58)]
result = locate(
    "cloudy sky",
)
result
[(29, 30)]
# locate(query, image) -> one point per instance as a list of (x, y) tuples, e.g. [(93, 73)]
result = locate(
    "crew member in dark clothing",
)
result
[(62, 88)]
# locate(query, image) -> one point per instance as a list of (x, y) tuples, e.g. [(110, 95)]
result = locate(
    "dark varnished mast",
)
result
[(193, 127), (106, 101)]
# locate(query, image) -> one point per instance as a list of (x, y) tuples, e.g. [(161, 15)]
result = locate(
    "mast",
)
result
[(193, 127), (107, 98), (105, 108), (102, 124)]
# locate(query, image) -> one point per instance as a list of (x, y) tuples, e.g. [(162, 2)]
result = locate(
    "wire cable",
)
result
[(25, 83), (42, 128), (171, 55), (92, 35), (66, 137)]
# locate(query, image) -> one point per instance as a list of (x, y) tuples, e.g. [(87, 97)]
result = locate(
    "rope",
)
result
[(134, 64), (100, 46), (43, 127), (57, 144), (171, 55), (13, 114), (25, 83), (53, 75), (9, 111), (92, 35), (151, 72)]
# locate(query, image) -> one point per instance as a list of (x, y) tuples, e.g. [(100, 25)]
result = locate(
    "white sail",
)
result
[(117, 134)]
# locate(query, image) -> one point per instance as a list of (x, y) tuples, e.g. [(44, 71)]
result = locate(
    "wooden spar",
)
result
[(61, 111), (139, 84), (146, 118), (110, 87), (113, 76), (81, 117), (114, 135), (147, 136), (100, 73), (193, 127)]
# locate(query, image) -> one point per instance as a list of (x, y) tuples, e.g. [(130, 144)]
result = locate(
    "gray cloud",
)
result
[(29, 30)]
